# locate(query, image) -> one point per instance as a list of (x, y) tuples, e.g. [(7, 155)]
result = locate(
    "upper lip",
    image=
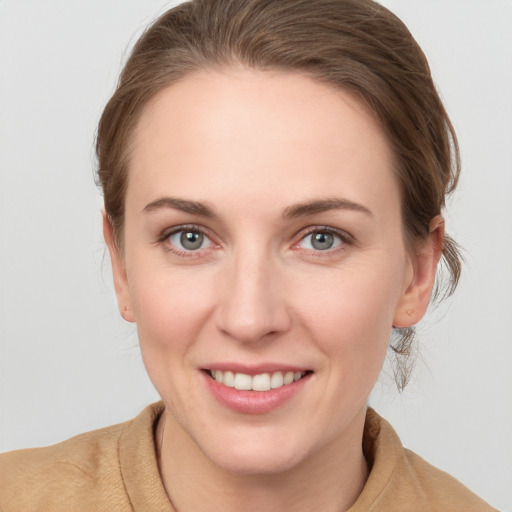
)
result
[(255, 369)]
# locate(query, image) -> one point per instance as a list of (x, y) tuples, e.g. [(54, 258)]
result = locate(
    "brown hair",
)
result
[(356, 45)]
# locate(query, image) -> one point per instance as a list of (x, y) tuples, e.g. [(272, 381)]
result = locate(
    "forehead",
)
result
[(218, 131)]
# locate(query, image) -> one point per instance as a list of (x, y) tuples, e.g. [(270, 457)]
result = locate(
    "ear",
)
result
[(119, 272), (415, 300)]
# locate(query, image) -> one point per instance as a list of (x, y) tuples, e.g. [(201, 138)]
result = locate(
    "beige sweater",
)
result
[(115, 469)]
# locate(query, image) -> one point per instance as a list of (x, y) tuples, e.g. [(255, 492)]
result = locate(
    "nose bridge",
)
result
[(252, 304)]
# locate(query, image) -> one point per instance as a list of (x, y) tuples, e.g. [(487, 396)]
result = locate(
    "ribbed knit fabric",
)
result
[(115, 469)]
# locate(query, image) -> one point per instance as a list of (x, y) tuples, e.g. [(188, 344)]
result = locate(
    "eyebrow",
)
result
[(184, 205), (323, 205), (290, 212)]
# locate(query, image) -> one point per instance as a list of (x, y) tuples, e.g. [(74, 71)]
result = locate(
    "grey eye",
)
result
[(320, 241), (189, 240)]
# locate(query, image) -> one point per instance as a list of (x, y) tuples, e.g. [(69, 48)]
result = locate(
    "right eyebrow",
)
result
[(184, 205), (323, 205)]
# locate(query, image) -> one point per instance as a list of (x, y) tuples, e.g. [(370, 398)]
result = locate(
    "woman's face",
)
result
[(263, 243)]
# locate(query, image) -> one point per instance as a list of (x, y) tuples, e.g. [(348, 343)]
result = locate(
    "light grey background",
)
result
[(69, 364)]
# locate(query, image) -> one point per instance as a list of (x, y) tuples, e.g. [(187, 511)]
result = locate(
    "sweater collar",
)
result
[(389, 478)]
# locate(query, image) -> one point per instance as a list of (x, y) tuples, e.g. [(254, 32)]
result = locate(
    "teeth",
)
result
[(288, 377), (228, 379), (260, 382), (243, 382), (277, 380)]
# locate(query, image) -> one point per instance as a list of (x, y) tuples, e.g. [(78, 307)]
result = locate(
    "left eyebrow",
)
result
[(184, 205), (323, 205)]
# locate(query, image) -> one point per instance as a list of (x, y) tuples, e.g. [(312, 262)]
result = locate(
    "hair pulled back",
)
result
[(355, 45)]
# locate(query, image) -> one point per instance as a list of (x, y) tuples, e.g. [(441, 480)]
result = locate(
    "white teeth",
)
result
[(259, 382), (229, 379), (243, 382), (277, 380), (288, 378)]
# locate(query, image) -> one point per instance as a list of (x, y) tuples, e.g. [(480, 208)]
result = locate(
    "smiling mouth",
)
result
[(259, 382)]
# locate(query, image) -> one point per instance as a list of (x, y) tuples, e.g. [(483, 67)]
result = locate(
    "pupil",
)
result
[(191, 240), (322, 241)]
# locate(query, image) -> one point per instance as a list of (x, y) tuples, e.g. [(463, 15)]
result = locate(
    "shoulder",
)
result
[(443, 491), (75, 451), (400, 480), (58, 476), (73, 475)]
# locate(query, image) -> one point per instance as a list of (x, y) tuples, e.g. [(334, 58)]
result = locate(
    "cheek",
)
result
[(170, 309), (170, 313), (350, 312)]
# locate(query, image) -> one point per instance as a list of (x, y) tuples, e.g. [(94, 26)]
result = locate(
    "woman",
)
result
[(274, 175)]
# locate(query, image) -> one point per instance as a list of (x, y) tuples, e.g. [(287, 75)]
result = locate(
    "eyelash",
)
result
[(344, 237), (164, 237)]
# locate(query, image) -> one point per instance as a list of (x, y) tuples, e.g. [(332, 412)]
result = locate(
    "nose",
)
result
[(252, 300)]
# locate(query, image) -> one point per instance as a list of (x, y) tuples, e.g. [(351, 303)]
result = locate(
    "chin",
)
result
[(243, 463), (255, 455)]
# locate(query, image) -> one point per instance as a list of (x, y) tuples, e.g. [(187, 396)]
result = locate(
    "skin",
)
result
[(250, 146)]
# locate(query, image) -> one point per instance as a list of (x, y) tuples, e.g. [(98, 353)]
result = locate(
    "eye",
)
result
[(321, 240), (189, 240)]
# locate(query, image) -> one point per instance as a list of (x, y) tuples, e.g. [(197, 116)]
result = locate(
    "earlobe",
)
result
[(415, 300), (118, 271)]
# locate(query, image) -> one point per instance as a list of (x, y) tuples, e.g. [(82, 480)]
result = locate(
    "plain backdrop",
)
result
[(69, 364)]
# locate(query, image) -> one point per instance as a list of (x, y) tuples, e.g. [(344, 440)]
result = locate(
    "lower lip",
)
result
[(254, 402)]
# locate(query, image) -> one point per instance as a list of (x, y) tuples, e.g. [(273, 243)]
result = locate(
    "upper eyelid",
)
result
[(166, 233), (344, 235)]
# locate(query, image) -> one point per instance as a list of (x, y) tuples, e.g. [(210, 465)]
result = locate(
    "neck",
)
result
[(330, 481)]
